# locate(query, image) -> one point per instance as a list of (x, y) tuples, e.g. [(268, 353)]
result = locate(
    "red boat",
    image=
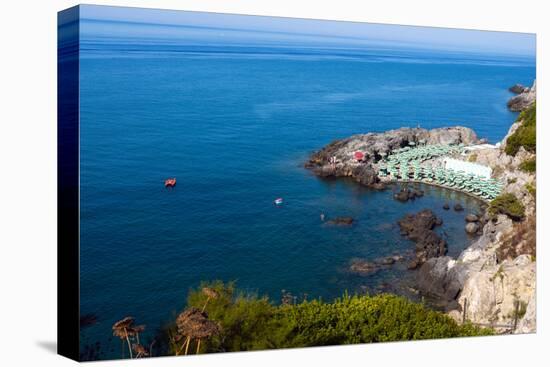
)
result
[(170, 182)]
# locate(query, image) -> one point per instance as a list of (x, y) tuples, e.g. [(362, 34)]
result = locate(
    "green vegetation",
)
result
[(472, 158), (526, 134), (529, 165), (531, 189), (249, 322), (509, 205)]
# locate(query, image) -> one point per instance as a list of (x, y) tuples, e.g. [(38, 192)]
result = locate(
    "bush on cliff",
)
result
[(526, 134), (247, 322), (531, 189), (509, 205), (529, 165), (253, 323), (364, 319)]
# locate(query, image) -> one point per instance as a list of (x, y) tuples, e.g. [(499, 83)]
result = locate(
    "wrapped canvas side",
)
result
[(68, 183)]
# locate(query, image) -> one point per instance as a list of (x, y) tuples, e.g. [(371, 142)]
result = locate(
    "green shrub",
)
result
[(531, 189), (472, 158), (364, 319), (248, 322), (509, 205), (526, 134), (529, 165), (253, 323)]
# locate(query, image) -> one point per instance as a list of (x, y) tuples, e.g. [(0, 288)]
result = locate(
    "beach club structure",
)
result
[(433, 164)]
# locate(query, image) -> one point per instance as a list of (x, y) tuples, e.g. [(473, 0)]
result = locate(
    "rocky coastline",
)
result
[(492, 282), (525, 97), (337, 158)]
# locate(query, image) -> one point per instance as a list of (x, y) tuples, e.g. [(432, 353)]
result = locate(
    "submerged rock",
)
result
[(341, 221), (458, 208), (403, 195), (446, 206), (378, 186), (365, 267), (385, 261)]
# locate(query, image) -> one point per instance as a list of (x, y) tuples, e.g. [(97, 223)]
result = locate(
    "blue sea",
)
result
[(234, 123)]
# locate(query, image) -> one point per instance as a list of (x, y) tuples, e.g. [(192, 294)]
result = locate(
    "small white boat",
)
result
[(278, 201)]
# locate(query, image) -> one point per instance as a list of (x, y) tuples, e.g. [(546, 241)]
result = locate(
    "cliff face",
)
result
[(497, 292), (495, 277)]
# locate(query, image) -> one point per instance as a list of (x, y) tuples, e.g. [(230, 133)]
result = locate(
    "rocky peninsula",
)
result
[(492, 282), (337, 159)]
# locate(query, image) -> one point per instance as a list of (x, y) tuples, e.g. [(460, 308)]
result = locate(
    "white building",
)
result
[(468, 167)]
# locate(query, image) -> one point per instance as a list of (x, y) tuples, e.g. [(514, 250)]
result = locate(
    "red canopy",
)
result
[(359, 155)]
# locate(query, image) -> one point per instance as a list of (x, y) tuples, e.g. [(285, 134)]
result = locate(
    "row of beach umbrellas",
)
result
[(405, 164)]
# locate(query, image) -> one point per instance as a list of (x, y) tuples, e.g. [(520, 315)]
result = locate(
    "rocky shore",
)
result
[(494, 279), (492, 282), (419, 229), (525, 97), (337, 159)]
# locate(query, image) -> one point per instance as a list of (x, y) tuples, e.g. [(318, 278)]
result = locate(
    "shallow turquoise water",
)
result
[(235, 124)]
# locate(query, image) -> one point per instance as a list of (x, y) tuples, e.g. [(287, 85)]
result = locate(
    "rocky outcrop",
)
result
[(445, 277), (500, 293), (419, 229), (442, 278), (471, 227), (524, 99), (473, 224), (518, 88), (470, 218), (406, 194), (338, 158)]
